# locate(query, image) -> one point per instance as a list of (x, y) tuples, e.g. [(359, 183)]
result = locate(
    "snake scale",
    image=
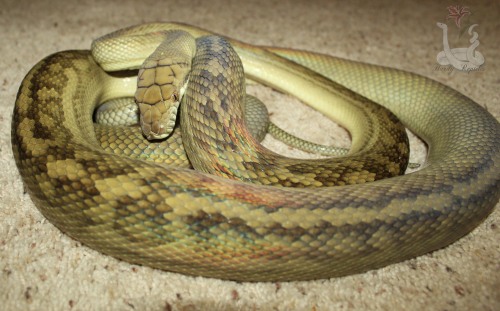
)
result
[(194, 223)]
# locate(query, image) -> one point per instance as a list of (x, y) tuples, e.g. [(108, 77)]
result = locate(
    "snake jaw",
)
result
[(158, 120)]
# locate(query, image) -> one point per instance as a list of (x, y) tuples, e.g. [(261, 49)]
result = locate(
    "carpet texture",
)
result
[(43, 269)]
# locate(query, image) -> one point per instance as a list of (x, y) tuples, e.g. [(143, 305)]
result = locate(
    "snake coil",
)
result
[(194, 223)]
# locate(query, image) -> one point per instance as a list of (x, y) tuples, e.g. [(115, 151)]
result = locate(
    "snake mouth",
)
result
[(158, 120)]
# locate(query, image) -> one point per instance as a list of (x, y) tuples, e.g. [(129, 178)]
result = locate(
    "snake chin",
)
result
[(157, 121)]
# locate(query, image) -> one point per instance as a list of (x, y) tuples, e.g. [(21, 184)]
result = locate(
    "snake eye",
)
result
[(175, 96)]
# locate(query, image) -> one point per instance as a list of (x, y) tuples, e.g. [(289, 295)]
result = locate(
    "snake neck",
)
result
[(213, 113), (219, 142)]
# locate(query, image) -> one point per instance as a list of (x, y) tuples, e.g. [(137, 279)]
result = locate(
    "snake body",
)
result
[(199, 224)]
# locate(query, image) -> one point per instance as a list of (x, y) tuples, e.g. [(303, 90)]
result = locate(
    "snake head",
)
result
[(157, 110), (157, 97), (442, 25)]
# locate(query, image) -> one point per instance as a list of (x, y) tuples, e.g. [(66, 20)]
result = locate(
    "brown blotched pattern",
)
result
[(194, 223)]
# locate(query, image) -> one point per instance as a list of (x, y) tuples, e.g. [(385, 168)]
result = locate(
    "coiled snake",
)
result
[(195, 223)]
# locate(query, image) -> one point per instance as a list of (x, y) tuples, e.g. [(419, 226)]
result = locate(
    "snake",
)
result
[(191, 222)]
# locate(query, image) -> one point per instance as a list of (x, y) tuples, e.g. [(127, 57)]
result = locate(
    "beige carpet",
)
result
[(42, 269)]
